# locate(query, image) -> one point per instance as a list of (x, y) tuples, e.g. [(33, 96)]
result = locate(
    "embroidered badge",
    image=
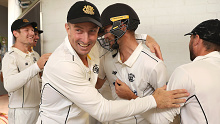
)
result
[(25, 20), (88, 10), (96, 69), (131, 77)]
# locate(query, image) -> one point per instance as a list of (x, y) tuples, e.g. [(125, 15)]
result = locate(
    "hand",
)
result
[(123, 91), (154, 47), (168, 99), (41, 62), (99, 83)]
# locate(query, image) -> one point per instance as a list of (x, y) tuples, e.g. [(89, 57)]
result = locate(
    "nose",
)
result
[(85, 37), (106, 35), (32, 32), (36, 37)]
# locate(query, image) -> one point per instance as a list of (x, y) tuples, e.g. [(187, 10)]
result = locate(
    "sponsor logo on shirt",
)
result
[(114, 72)]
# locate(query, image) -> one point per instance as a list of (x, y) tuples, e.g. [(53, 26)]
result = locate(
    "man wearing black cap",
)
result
[(200, 77), (68, 84), (20, 71)]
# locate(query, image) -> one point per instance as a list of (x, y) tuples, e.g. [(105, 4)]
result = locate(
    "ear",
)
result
[(15, 33), (67, 28), (196, 41)]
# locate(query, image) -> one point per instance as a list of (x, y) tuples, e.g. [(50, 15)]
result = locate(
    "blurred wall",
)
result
[(165, 20)]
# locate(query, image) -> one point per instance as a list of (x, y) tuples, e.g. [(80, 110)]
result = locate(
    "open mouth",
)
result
[(84, 45), (31, 38)]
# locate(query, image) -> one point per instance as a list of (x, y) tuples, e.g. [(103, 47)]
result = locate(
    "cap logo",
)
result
[(88, 10), (25, 20), (113, 19)]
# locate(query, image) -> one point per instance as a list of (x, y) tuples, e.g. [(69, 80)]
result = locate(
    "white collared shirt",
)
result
[(142, 72), (69, 94), (202, 80), (20, 79)]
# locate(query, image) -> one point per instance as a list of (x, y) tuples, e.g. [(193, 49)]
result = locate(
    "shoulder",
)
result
[(181, 78), (150, 61), (149, 56), (10, 54)]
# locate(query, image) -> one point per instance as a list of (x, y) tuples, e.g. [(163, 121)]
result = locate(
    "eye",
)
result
[(105, 31), (93, 30), (78, 30)]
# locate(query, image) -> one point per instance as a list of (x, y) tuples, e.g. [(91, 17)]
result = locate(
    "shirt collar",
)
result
[(20, 52), (70, 48), (131, 60), (214, 54)]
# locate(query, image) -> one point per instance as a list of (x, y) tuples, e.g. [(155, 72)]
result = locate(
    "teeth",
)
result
[(83, 45)]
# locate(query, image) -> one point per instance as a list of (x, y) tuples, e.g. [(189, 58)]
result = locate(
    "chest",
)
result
[(91, 72), (135, 76), (24, 62)]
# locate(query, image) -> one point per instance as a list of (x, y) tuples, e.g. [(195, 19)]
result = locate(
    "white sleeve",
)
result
[(72, 83), (158, 77), (141, 38), (179, 80), (13, 79)]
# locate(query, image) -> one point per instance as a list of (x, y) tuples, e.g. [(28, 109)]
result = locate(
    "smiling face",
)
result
[(82, 37), (25, 35), (36, 38)]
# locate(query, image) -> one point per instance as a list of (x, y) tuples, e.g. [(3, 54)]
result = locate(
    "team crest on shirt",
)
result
[(95, 69), (131, 77)]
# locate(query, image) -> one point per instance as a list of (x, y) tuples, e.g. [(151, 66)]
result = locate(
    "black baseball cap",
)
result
[(208, 30), (83, 11), (19, 23), (39, 31)]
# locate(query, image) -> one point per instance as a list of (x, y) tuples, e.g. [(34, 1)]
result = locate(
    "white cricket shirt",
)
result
[(201, 79), (142, 72), (69, 94), (20, 79)]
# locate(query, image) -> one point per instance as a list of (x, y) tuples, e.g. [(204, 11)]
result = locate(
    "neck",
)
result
[(127, 45), (30, 49), (204, 52), (23, 47), (84, 60), (201, 50)]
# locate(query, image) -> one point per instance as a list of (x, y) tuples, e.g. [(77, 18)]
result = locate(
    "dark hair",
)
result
[(211, 46)]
